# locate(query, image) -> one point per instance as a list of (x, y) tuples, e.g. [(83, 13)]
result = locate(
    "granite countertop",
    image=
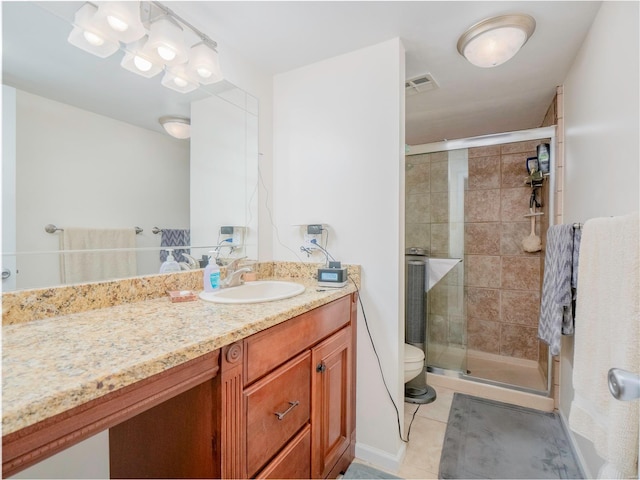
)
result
[(55, 364)]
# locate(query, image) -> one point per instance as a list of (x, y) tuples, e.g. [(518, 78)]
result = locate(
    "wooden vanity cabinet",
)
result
[(297, 418)]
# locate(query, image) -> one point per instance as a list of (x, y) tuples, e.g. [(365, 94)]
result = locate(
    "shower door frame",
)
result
[(499, 139)]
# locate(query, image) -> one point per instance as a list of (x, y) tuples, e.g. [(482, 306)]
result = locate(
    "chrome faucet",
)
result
[(233, 277)]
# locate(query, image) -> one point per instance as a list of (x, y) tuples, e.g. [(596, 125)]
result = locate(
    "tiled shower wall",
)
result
[(502, 280), (497, 310)]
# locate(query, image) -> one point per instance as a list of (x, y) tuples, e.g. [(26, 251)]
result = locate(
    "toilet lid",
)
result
[(412, 354)]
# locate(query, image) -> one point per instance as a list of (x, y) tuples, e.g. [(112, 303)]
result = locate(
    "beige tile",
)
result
[(416, 159), (521, 307), (418, 235), (484, 172), (529, 147), (417, 209), (514, 170), (482, 271), (439, 176), (440, 239), (519, 341), (483, 335), (484, 151), (425, 444), (439, 409), (520, 273), (409, 471), (483, 303), (417, 178), (482, 238), (439, 207), (512, 234), (514, 204), (439, 156), (482, 205), (438, 329)]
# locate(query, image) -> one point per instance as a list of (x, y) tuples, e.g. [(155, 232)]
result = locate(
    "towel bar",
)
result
[(51, 228)]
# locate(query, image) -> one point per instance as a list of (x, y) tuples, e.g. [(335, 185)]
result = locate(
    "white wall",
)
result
[(602, 142), (223, 162), (77, 168), (339, 160)]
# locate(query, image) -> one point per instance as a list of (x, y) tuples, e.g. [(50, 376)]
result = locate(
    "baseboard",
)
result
[(380, 458), (574, 444)]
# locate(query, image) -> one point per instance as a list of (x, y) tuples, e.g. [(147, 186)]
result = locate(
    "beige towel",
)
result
[(607, 335), (97, 265)]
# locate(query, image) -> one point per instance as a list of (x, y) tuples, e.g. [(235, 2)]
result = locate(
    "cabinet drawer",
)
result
[(294, 461), (266, 350), (277, 407)]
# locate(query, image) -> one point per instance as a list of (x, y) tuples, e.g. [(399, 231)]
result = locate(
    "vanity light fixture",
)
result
[(135, 60), (89, 33), (495, 40), (204, 64), (178, 79), (178, 127), (123, 19), (166, 40), (123, 25)]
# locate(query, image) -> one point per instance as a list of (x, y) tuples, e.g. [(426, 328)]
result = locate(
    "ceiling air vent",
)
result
[(420, 84)]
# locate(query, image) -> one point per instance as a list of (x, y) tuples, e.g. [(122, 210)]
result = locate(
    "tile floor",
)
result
[(422, 459)]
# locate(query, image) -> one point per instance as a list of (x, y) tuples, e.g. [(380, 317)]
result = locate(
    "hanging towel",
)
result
[(93, 266), (607, 336), (555, 304), (175, 237)]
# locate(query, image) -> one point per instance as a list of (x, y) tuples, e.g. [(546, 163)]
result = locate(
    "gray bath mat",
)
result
[(487, 439), (358, 470)]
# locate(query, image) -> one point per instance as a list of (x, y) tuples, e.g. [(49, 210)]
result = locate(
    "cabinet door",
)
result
[(277, 407), (331, 396)]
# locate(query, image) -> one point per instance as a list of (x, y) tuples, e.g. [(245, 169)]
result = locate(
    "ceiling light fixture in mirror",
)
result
[(153, 39)]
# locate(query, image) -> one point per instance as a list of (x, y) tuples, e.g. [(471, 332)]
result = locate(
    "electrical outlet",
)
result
[(308, 237)]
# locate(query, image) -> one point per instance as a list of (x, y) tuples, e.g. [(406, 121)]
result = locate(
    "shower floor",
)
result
[(486, 366)]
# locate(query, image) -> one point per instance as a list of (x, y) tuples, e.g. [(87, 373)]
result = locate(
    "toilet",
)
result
[(413, 362)]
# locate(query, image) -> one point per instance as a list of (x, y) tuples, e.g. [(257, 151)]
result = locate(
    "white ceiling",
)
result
[(280, 36)]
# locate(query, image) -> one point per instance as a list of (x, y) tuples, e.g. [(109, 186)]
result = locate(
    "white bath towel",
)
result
[(97, 265), (607, 335)]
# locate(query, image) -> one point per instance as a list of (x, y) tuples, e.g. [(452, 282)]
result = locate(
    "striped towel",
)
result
[(556, 313), (175, 237)]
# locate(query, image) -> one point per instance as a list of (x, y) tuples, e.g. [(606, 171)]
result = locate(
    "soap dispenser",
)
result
[(170, 265), (211, 275)]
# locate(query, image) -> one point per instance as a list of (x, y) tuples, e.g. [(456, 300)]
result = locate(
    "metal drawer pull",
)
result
[(292, 406)]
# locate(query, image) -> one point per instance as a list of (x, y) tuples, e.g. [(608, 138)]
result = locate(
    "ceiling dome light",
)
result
[(177, 127), (123, 19), (204, 64), (167, 41), (89, 34), (495, 40)]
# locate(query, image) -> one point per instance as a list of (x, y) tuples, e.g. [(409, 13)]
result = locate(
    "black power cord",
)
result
[(366, 323)]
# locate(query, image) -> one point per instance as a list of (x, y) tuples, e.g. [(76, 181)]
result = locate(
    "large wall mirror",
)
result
[(83, 148)]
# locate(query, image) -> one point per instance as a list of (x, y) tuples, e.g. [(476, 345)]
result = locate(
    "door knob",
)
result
[(624, 385), (6, 273)]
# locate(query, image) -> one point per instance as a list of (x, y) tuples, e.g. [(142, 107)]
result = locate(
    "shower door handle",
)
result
[(624, 385)]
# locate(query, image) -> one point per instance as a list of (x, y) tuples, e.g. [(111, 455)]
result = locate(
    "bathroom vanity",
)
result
[(215, 391)]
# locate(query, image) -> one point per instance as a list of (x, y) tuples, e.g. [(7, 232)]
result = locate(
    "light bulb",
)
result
[(92, 38), (204, 72), (181, 82), (166, 53), (142, 64), (117, 24)]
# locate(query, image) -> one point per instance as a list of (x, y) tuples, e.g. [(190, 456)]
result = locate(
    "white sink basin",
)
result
[(254, 292)]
